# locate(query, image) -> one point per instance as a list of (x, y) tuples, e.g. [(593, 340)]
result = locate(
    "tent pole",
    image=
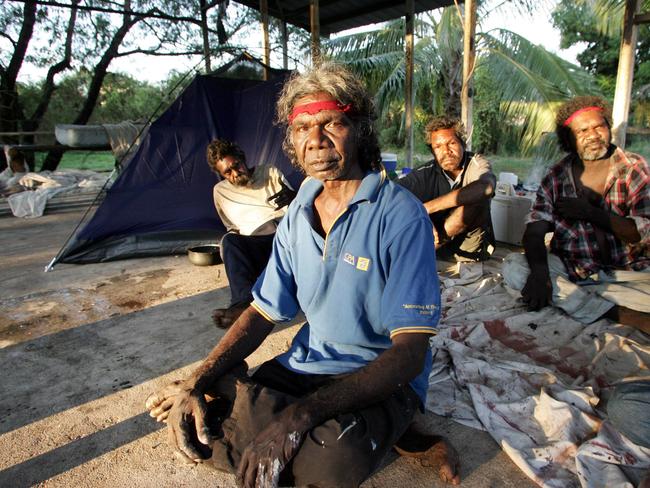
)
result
[(469, 59), (314, 19), (264, 9), (408, 85), (625, 74)]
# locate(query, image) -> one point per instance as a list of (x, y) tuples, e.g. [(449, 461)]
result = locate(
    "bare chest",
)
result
[(326, 213), (592, 179)]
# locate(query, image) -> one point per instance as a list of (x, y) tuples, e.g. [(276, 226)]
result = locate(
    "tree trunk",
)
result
[(10, 109), (54, 156)]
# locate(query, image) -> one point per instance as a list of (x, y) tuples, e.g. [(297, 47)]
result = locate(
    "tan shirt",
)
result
[(477, 168), (244, 209)]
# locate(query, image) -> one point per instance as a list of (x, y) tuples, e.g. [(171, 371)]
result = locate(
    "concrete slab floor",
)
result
[(82, 347)]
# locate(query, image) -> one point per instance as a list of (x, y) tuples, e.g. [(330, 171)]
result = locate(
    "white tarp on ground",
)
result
[(41, 187), (537, 382)]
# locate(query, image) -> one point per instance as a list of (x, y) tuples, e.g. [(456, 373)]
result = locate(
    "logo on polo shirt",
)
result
[(361, 263)]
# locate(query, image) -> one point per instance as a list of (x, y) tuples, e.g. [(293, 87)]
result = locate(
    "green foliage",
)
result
[(488, 130), (124, 98), (121, 98), (94, 161), (516, 81), (639, 144), (597, 25)]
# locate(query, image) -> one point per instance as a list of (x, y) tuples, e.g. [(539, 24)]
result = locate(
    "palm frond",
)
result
[(609, 14), (532, 80)]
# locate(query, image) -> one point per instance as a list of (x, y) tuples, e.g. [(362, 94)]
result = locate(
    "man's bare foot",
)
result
[(432, 451), (160, 402), (225, 317)]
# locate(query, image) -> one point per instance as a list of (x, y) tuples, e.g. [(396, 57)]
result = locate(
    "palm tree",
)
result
[(610, 14), (528, 79)]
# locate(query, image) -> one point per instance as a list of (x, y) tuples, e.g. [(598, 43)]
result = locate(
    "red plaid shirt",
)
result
[(627, 193)]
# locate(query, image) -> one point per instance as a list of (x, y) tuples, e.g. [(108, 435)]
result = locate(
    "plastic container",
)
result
[(510, 178), (508, 216), (504, 189), (389, 160)]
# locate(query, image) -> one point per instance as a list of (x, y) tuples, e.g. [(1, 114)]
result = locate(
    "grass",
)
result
[(104, 160), (510, 164), (522, 167), (92, 160), (640, 145)]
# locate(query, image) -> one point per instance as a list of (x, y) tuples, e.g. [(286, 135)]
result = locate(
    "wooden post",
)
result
[(314, 18), (469, 59), (264, 9), (625, 74), (285, 42), (408, 82), (204, 31)]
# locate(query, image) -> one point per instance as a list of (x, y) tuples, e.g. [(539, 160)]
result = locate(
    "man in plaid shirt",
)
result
[(596, 202)]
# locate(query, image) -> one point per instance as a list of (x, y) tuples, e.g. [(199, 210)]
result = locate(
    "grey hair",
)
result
[(343, 86)]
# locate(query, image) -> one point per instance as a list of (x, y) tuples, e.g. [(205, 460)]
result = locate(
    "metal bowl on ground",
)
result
[(207, 255)]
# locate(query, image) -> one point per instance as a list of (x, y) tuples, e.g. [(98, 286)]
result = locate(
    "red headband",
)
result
[(315, 107), (578, 112)]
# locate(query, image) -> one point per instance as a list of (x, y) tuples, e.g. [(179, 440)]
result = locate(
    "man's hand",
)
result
[(265, 457), (538, 291), (576, 209), (186, 425), (282, 198), (439, 238)]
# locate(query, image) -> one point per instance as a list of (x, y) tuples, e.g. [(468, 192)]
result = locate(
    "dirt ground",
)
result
[(82, 346)]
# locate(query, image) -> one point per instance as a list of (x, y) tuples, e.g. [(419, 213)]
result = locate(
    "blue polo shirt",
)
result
[(372, 277)]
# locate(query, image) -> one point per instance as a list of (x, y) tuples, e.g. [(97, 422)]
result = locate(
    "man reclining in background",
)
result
[(250, 203), (455, 187), (596, 202)]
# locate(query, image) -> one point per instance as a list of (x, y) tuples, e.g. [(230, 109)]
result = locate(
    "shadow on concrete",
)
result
[(47, 465), (53, 373)]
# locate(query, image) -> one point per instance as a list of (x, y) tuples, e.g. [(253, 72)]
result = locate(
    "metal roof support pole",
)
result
[(408, 85), (314, 19), (625, 74), (469, 60), (264, 9)]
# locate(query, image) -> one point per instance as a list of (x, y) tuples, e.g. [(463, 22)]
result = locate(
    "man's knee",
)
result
[(229, 242), (629, 411), (515, 270), (337, 453)]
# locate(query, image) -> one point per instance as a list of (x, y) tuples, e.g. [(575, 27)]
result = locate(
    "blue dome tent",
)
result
[(161, 203)]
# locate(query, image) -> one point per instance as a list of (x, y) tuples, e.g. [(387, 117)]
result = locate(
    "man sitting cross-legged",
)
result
[(596, 202), (455, 188), (354, 254), (250, 203)]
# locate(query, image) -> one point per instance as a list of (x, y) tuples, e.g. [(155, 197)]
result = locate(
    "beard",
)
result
[(242, 180), (594, 151)]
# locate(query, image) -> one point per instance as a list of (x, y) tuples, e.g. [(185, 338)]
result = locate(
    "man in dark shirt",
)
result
[(455, 188)]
